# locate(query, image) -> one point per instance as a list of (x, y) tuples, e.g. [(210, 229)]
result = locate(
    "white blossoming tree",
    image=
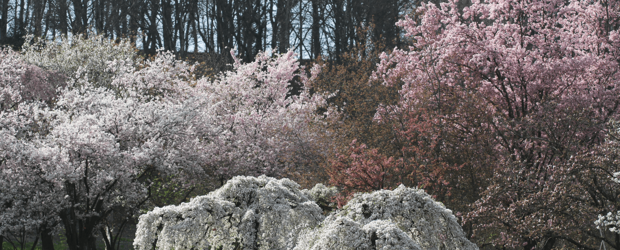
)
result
[(262, 128), (404, 218), (26, 206), (265, 213), (246, 213), (88, 151), (78, 57)]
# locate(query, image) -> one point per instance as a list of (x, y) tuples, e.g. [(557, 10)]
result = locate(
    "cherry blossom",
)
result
[(86, 147), (247, 212), (538, 81), (266, 213)]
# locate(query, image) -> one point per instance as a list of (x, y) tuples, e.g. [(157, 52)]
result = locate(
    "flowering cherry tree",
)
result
[(246, 213), (24, 204), (83, 151), (403, 218), (99, 148), (538, 79), (266, 213), (79, 57), (263, 127), (22, 82), (322, 196)]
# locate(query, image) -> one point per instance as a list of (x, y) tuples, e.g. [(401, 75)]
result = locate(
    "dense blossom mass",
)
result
[(266, 213), (86, 125), (403, 218), (247, 212), (515, 96)]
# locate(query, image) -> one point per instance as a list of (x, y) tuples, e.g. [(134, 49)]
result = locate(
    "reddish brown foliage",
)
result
[(361, 169)]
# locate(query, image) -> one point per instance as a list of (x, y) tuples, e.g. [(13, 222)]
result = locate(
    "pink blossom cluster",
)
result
[(540, 79)]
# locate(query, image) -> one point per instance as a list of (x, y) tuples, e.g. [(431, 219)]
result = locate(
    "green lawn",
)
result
[(61, 245)]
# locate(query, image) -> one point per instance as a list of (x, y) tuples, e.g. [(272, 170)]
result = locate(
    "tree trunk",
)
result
[(193, 14), (168, 27), (62, 16), (81, 17), (19, 23), (180, 29), (339, 33), (97, 13), (283, 18), (133, 22), (316, 30), (153, 34), (79, 231), (301, 31), (549, 244), (530, 245), (225, 24), (47, 241), (4, 20), (38, 12)]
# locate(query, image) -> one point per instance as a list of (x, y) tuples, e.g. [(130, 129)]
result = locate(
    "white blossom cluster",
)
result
[(11, 70), (265, 213), (610, 220), (338, 232), (94, 58), (389, 216), (246, 213), (321, 194)]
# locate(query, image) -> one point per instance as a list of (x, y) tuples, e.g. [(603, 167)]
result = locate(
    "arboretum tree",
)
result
[(266, 213), (24, 88), (511, 90), (262, 126), (89, 149), (86, 152)]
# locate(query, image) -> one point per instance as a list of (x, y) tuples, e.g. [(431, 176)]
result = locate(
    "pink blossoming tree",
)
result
[(537, 78)]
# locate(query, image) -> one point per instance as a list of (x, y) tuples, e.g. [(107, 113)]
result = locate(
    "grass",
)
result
[(28, 246), (58, 245)]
